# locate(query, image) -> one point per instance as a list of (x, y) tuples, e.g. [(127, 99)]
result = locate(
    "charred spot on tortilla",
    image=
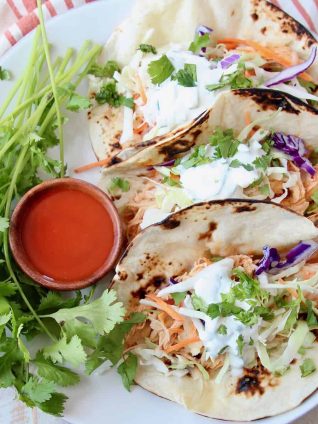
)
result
[(140, 276), (208, 234), (245, 208), (290, 25), (254, 16), (157, 281), (179, 146), (263, 30), (122, 275), (254, 381), (115, 160), (170, 223), (273, 100)]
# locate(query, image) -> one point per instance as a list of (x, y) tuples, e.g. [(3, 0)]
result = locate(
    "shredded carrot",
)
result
[(165, 307), (293, 292), (91, 166), (141, 89), (141, 128), (249, 73), (175, 331), (247, 117), (182, 344), (161, 317), (266, 52)]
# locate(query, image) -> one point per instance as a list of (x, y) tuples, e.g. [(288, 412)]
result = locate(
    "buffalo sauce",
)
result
[(67, 234)]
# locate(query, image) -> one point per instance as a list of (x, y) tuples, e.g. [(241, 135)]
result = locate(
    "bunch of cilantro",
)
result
[(78, 331)]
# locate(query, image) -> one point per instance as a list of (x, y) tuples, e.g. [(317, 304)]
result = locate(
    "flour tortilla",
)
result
[(174, 21), (170, 248), (293, 118)]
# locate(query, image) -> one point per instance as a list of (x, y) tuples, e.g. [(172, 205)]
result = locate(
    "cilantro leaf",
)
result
[(4, 224), (197, 157), (104, 71), (118, 183), (147, 48), (222, 330), (160, 70), (225, 143), (109, 94), (311, 317), (236, 164), (234, 80), (187, 77), (178, 297), (75, 102), (198, 303), (55, 405), (38, 391), (53, 301), (240, 344), (103, 313), (64, 351), (262, 162), (111, 346), (307, 367), (4, 74), (127, 370), (199, 42), (49, 371)]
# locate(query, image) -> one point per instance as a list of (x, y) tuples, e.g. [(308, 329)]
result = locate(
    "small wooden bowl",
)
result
[(21, 256)]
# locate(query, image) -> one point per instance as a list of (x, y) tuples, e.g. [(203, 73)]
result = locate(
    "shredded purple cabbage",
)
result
[(293, 71), (228, 61), (271, 261), (294, 147), (166, 163), (172, 281), (203, 29)]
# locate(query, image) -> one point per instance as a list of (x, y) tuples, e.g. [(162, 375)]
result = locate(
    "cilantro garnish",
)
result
[(236, 164), (178, 297), (160, 70), (225, 143), (262, 162), (4, 74), (222, 330), (307, 367), (76, 102), (118, 183), (187, 77), (4, 224), (170, 181), (197, 157), (109, 94), (311, 316), (147, 48), (104, 71), (200, 42), (235, 80), (240, 344), (198, 303)]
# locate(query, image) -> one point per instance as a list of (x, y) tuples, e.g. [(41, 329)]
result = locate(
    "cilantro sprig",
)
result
[(234, 80), (109, 94)]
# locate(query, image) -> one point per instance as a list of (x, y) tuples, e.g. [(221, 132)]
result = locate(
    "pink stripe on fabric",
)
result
[(27, 23), (14, 9), (304, 14), (30, 5), (69, 4), (316, 3), (10, 37), (50, 8), (276, 3)]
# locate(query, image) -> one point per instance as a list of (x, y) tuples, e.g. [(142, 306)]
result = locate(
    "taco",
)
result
[(253, 144), (167, 63), (228, 291)]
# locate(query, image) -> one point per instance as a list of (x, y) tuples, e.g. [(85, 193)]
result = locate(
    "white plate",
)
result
[(102, 399)]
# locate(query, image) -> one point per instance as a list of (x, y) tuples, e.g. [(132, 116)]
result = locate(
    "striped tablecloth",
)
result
[(17, 18)]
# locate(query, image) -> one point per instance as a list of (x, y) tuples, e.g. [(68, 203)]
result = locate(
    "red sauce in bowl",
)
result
[(66, 233)]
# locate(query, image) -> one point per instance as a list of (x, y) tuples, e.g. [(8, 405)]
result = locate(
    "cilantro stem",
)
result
[(53, 86)]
